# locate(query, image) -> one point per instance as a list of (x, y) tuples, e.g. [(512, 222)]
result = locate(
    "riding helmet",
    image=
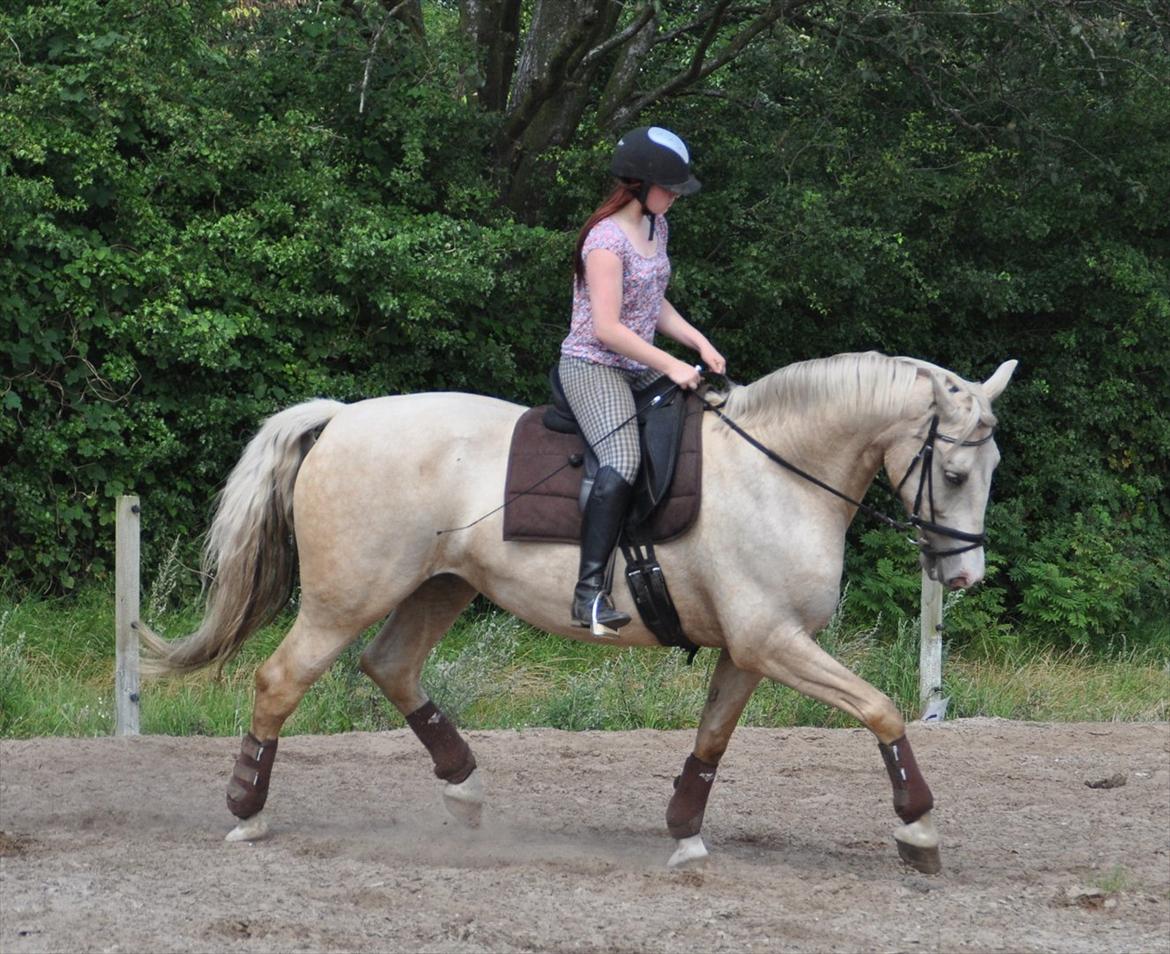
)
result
[(655, 156)]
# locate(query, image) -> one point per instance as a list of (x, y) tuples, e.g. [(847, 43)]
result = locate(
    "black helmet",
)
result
[(655, 156)]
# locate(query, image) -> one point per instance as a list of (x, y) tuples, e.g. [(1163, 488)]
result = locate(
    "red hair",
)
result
[(623, 192)]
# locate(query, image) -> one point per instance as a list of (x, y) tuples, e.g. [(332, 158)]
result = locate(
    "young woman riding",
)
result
[(621, 271)]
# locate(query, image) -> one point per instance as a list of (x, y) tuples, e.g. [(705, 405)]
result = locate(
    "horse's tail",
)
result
[(250, 555)]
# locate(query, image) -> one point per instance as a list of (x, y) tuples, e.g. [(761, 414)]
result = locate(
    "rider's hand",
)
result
[(712, 359), (685, 375)]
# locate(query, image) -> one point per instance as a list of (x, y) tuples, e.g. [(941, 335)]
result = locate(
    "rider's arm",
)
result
[(675, 326), (603, 274)]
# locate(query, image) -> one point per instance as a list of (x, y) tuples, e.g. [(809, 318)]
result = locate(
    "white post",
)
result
[(126, 574), (930, 651)]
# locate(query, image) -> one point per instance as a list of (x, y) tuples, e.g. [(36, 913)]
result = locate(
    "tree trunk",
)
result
[(551, 89), (492, 28)]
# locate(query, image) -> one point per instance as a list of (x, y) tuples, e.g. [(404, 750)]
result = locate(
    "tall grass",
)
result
[(493, 671)]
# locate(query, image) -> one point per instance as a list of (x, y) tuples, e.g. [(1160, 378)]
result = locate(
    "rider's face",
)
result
[(660, 199)]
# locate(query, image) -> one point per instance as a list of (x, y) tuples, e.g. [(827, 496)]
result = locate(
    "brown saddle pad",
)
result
[(549, 512)]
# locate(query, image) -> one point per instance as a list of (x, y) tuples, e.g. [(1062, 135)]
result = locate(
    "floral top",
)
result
[(644, 283)]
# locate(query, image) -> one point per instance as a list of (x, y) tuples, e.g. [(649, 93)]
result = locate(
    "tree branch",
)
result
[(374, 46), (645, 15), (697, 69)]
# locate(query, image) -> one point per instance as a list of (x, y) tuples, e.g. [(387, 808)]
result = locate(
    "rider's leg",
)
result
[(603, 404)]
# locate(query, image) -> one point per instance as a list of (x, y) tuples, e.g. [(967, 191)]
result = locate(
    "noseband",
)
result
[(925, 456)]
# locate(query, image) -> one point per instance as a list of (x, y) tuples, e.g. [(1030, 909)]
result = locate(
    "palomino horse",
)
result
[(370, 484)]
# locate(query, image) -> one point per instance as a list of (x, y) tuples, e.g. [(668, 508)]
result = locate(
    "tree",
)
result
[(603, 59)]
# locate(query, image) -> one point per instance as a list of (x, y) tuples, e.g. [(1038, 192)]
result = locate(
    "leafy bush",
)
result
[(212, 210)]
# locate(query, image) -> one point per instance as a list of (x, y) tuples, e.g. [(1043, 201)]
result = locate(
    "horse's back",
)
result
[(396, 430), (437, 442), (442, 413)]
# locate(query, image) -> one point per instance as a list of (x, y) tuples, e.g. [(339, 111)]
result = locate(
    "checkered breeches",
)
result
[(602, 397)]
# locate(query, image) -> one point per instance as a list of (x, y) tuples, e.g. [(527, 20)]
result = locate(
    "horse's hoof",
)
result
[(690, 851), (465, 800), (249, 829), (926, 860), (918, 845)]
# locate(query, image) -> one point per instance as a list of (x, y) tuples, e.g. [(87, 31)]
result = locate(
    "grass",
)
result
[(493, 671)]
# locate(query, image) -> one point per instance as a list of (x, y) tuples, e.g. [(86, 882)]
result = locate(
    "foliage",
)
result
[(210, 210), (494, 672)]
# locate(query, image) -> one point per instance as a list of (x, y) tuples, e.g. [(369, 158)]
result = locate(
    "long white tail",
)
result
[(250, 555)]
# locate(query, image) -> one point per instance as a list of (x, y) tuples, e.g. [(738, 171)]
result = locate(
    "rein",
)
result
[(925, 457)]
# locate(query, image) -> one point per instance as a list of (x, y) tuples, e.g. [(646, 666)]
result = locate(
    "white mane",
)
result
[(863, 386)]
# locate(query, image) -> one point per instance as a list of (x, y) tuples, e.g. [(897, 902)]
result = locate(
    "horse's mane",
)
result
[(862, 386)]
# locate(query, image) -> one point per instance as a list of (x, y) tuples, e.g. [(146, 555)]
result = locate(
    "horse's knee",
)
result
[(882, 718)]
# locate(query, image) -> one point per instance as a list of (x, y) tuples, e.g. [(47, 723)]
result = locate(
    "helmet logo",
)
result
[(664, 137)]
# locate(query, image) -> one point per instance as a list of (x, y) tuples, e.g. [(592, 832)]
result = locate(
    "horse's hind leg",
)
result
[(281, 682), (730, 689), (394, 659), (800, 663)]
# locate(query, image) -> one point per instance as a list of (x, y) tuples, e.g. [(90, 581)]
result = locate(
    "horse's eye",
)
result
[(954, 479)]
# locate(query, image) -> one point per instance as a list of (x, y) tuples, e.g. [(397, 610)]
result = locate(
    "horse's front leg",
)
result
[(730, 690), (798, 662)]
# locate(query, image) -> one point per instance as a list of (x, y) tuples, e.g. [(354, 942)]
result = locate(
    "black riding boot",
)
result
[(601, 525)]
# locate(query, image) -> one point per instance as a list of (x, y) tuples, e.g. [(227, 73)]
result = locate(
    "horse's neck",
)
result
[(844, 450)]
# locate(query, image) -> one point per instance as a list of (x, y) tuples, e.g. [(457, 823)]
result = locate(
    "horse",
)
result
[(355, 497)]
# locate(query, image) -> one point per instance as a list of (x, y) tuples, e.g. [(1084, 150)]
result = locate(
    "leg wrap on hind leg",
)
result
[(684, 815), (450, 753), (248, 789), (912, 798)]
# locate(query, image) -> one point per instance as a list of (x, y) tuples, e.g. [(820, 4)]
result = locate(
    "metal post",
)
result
[(126, 574), (930, 695)]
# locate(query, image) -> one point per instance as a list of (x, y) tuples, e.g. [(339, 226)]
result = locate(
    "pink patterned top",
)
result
[(644, 283)]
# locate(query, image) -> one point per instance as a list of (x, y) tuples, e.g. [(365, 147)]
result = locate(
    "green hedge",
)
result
[(200, 227)]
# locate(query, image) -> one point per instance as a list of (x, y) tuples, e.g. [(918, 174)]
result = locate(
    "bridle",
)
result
[(925, 457)]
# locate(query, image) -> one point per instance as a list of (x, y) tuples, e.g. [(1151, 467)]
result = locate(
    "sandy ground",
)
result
[(117, 845)]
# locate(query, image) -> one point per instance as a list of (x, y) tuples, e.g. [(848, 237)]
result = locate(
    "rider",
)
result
[(621, 272)]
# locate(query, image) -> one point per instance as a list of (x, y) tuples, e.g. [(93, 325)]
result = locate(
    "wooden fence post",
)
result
[(127, 583), (930, 651)]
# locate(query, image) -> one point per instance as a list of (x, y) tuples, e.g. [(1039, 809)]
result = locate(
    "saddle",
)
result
[(550, 475), (551, 469)]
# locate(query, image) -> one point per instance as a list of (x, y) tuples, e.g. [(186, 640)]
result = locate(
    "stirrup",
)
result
[(596, 626)]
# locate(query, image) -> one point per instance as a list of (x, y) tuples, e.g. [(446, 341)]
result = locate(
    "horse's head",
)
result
[(942, 469)]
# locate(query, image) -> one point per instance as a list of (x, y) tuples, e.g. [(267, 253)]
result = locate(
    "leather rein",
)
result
[(924, 457)]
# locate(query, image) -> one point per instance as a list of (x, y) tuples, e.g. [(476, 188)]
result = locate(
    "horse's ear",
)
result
[(993, 386)]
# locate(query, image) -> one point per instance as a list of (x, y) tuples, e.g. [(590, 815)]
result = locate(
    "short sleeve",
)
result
[(605, 234)]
